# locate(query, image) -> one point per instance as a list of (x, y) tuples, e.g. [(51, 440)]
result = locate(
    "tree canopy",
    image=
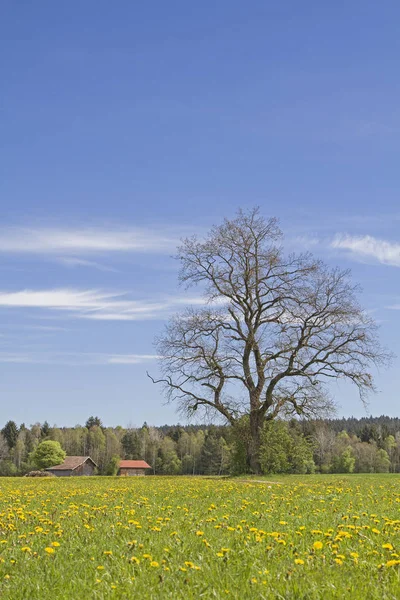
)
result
[(48, 454), (274, 330)]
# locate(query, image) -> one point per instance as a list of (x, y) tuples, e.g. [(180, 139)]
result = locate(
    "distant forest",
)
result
[(366, 445)]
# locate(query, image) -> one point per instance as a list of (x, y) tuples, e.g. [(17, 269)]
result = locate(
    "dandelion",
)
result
[(317, 545), (392, 563), (49, 550), (299, 561), (387, 546)]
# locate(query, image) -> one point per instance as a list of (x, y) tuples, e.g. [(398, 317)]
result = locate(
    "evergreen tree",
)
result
[(45, 430), (132, 445), (93, 422), (10, 432)]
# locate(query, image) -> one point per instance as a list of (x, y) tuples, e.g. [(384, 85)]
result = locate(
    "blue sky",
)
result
[(126, 126)]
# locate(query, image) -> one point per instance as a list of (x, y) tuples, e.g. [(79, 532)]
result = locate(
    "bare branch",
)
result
[(285, 327)]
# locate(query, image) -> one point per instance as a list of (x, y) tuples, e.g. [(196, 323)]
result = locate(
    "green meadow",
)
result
[(158, 537)]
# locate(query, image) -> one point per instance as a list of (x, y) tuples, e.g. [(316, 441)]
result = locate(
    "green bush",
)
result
[(47, 454)]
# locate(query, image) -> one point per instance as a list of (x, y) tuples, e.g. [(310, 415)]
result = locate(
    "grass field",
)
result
[(152, 537)]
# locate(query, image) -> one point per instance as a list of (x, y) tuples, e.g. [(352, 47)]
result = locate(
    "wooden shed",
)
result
[(133, 467), (74, 466)]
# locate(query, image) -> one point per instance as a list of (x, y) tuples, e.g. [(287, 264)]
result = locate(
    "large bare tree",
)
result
[(273, 331)]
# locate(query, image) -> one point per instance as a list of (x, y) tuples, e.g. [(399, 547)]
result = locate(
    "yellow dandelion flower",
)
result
[(299, 561), (49, 550), (387, 546), (392, 563), (317, 545)]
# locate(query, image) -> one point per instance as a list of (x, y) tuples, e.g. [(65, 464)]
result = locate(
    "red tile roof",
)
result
[(70, 463), (133, 464)]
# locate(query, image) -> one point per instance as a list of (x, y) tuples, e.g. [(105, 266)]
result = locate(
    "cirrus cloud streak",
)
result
[(94, 304), (84, 241), (368, 248)]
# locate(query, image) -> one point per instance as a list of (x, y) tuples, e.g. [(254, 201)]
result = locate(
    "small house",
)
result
[(133, 467), (74, 466)]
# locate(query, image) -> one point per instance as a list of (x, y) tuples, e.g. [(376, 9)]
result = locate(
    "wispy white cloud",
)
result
[(130, 359), (95, 304), (74, 359), (80, 262), (40, 328), (369, 248), (85, 241)]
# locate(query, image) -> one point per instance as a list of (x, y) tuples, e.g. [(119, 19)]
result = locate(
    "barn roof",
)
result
[(70, 463), (133, 464)]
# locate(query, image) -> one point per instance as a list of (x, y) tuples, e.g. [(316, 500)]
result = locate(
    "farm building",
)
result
[(74, 466), (133, 467)]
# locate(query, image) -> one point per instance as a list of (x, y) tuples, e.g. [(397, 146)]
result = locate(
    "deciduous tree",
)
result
[(47, 454), (275, 329)]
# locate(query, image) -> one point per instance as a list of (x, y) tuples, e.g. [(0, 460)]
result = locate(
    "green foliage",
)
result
[(112, 467), (47, 454), (168, 462), (344, 462), (132, 445), (93, 422), (382, 461), (7, 468), (45, 430), (10, 432), (241, 438), (215, 450), (285, 450)]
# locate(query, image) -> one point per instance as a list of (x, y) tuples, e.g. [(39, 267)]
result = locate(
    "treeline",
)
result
[(370, 445)]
